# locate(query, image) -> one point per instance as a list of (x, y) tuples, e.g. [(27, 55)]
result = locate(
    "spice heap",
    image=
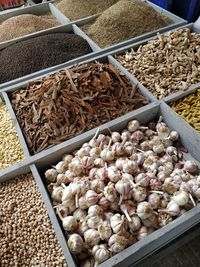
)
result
[(39, 53), (76, 9), (25, 24), (166, 65), (67, 103), (116, 190), (188, 109), (124, 20), (10, 149), (27, 236)]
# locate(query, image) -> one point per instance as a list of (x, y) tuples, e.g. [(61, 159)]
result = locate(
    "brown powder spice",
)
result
[(126, 19), (27, 237), (25, 24), (65, 104), (76, 9)]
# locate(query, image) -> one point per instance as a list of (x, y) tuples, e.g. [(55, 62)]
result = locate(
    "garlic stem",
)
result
[(192, 199)]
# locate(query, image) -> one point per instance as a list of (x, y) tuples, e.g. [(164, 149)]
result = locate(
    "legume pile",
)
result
[(76, 9), (70, 102), (166, 65), (10, 149), (25, 24), (27, 236), (39, 53), (189, 109), (125, 19), (117, 189)]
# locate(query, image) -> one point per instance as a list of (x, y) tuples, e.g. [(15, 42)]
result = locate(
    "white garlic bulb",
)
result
[(144, 210), (57, 194), (82, 203), (105, 230), (92, 237), (97, 185), (113, 174), (190, 166), (181, 198), (51, 175), (93, 221), (100, 253), (91, 197), (110, 192), (118, 223), (135, 223), (142, 179), (95, 210), (67, 158), (79, 214), (75, 243), (133, 126), (173, 136), (69, 223), (117, 243)]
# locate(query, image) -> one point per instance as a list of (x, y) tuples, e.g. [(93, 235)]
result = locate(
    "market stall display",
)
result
[(91, 145)]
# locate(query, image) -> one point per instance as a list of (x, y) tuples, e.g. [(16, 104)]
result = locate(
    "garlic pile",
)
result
[(115, 190)]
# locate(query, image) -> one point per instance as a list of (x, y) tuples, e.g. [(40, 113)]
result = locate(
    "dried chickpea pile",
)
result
[(189, 109), (26, 235), (166, 65), (116, 190), (10, 149)]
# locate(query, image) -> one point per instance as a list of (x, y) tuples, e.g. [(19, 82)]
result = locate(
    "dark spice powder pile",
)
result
[(76, 9), (65, 104), (39, 53), (124, 20)]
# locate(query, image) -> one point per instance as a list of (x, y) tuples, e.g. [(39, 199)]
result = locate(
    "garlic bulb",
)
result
[(142, 179), (119, 163), (158, 149), (105, 230), (107, 154), (61, 167), (116, 137), (57, 193), (133, 126), (75, 243), (75, 167), (95, 152), (79, 214), (164, 219), (97, 185), (87, 162), (142, 232), (118, 223), (173, 136), (100, 253), (122, 187), (92, 197), (113, 174), (67, 158), (92, 237), (95, 210), (110, 192), (172, 209), (190, 166), (93, 221), (144, 210), (99, 162), (82, 227), (130, 166), (181, 198), (104, 203), (134, 223), (139, 193), (117, 243), (152, 221), (154, 200), (82, 203), (51, 175), (69, 223)]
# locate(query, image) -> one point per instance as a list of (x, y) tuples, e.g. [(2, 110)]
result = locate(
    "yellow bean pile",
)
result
[(189, 109), (10, 149)]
